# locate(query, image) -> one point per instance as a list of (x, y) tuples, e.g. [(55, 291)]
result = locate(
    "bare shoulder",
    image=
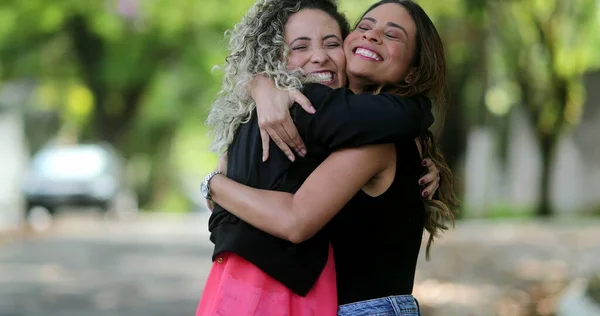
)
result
[(380, 182), (368, 160), (378, 153)]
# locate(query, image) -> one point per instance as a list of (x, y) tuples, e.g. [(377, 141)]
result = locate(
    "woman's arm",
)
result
[(297, 217), (348, 119), (344, 119)]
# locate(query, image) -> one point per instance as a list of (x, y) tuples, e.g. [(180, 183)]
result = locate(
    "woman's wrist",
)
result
[(256, 85), (215, 183)]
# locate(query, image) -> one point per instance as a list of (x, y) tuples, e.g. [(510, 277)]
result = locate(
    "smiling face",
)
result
[(315, 42), (381, 48)]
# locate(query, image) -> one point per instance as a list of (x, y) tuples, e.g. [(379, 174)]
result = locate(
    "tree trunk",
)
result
[(90, 50), (548, 142), (454, 136), (457, 120), (113, 127), (161, 177), (547, 148)]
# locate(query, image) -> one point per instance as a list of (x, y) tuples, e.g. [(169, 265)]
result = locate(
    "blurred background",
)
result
[(102, 109)]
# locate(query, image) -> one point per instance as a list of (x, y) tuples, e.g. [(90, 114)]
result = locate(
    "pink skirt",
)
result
[(236, 287)]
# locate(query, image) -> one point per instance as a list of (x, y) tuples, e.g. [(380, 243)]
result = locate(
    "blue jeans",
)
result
[(399, 305)]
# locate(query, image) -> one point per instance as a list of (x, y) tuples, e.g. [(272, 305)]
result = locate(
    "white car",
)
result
[(75, 175)]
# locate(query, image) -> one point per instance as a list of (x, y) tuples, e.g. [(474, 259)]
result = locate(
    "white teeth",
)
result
[(367, 53), (324, 76)]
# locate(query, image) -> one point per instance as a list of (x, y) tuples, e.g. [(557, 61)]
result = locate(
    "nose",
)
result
[(319, 57), (372, 36)]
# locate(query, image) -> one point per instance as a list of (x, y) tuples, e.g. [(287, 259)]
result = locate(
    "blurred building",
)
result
[(14, 155)]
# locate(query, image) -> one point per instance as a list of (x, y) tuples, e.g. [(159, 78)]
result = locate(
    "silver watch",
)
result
[(205, 187)]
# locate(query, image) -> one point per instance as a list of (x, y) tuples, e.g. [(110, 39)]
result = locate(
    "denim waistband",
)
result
[(398, 305)]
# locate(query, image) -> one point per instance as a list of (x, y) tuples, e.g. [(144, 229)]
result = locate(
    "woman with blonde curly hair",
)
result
[(291, 272)]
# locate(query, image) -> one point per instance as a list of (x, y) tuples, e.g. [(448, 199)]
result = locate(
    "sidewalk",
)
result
[(512, 268), (9, 225), (88, 265)]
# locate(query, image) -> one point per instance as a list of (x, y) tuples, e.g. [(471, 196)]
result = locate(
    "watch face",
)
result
[(204, 190)]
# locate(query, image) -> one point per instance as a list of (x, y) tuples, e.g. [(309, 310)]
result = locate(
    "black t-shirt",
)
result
[(342, 120)]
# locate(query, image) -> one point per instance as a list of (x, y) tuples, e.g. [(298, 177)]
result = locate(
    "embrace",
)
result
[(329, 173)]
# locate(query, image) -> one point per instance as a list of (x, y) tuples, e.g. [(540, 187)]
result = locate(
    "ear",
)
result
[(410, 76)]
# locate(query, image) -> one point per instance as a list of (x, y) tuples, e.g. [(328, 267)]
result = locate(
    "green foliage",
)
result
[(547, 41), (138, 73)]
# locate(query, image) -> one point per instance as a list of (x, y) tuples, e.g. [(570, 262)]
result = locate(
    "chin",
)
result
[(362, 75), (362, 70), (338, 84)]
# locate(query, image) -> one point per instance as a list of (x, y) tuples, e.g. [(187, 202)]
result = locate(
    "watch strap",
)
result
[(207, 182)]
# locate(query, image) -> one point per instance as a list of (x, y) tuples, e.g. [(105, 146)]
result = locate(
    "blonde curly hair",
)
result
[(257, 46)]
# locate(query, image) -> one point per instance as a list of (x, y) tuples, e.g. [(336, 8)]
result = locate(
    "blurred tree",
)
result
[(137, 74), (463, 27), (546, 46), (103, 60)]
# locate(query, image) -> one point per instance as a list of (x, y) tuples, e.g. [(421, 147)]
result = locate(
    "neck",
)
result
[(355, 89), (357, 84)]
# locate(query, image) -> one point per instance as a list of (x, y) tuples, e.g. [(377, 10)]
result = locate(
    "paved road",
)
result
[(157, 265), (88, 266)]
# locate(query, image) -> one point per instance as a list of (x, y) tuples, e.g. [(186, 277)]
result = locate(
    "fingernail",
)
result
[(425, 193), (312, 110), (292, 158), (422, 182), (303, 152), (424, 163), (264, 158)]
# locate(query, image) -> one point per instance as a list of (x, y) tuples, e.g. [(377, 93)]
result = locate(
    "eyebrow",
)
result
[(304, 38), (392, 24), (331, 36)]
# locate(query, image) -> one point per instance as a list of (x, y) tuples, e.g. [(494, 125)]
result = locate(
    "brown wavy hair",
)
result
[(429, 79)]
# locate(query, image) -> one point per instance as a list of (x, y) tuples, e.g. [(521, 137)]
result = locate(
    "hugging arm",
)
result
[(297, 217), (344, 119), (351, 119)]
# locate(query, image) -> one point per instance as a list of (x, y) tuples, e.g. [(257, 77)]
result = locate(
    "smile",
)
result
[(321, 77), (367, 54)]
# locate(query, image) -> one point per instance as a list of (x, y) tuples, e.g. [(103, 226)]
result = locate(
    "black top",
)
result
[(376, 240), (343, 119)]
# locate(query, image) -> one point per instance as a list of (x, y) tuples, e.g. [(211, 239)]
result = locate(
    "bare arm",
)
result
[(297, 217)]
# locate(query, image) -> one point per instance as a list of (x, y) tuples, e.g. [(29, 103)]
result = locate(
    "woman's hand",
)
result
[(431, 181), (274, 119)]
